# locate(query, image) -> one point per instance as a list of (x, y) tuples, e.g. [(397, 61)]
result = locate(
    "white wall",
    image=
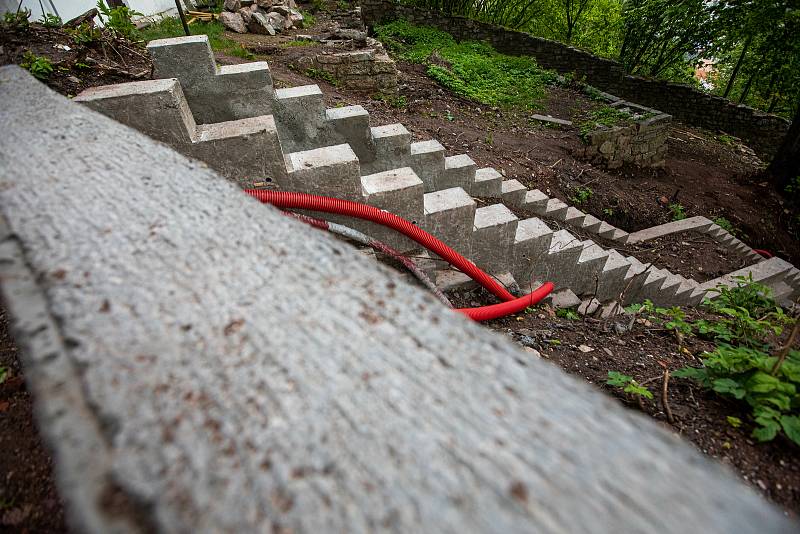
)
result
[(69, 9)]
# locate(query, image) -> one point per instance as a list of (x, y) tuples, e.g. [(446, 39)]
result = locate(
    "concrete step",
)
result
[(428, 161), (588, 269), (591, 223), (612, 276), (535, 201), (331, 171), (531, 242), (765, 272), (574, 217), (350, 125), (459, 171), (450, 216), (513, 192), (487, 184), (493, 235), (556, 209), (398, 191), (300, 117)]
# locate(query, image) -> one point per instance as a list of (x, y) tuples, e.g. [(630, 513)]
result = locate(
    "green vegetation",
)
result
[(3, 374), (726, 139), (567, 313), (49, 20), (309, 20), (582, 195), (395, 101), (726, 225), (39, 66), (605, 116), (473, 70), (118, 19), (319, 74), (17, 21), (628, 385), (171, 27), (753, 44), (85, 33), (678, 211), (746, 364)]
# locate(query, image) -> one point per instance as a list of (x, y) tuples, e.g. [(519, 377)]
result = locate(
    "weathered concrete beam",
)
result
[(202, 363)]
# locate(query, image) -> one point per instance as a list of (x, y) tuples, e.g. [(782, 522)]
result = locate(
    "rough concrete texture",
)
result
[(329, 171), (188, 379), (494, 229), (247, 151), (300, 111), (449, 215), (215, 94), (398, 191), (487, 184)]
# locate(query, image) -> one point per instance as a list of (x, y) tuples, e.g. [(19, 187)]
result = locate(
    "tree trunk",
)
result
[(786, 164), (737, 67)]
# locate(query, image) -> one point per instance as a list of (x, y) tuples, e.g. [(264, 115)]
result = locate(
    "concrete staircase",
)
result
[(301, 146)]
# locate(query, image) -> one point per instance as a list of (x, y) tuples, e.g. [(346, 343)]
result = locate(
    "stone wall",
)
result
[(369, 70), (760, 130), (641, 141)]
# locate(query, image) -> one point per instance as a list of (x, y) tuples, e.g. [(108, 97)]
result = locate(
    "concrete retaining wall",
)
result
[(202, 363), (762, 131)]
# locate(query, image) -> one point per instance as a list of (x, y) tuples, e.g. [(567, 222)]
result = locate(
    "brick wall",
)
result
[(760, 130)]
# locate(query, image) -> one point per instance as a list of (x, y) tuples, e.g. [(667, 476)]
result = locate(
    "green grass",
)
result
[(171, 27), (605, 116), (473, 70)]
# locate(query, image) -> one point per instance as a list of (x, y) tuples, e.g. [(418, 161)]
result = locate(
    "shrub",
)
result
[(118, 19)]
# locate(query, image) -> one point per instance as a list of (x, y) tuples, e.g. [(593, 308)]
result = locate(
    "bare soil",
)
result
[(28, 498), (645, 352)]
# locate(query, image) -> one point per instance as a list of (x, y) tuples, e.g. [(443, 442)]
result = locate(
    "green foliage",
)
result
[(726, 225), (395, 101), (85, 33), (746, 374), (118, 19), (171, 27), (49, 20), (39, 66), (726, 139), (318, 5), (628, 385), (608, 212), (309, 20), (470, 69), (17, 21), (678, 211), (735, 422), (320, 74), (3, 374), (582, 195), (343, 5), (605, 116), (568, 313)]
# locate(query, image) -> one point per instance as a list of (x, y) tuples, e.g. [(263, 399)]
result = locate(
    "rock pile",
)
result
[(266, 17)]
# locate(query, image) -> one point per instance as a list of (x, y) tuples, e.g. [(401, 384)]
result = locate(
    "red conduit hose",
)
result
[(287, 200)]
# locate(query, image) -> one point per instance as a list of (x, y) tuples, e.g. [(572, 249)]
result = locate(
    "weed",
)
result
[(678, 211), (309, 20), (318, 5), (118, 19), (39, 66), (735, 422), (470, 69), (319, 74), (582, 195), (49, 20), (3, 374), (79, 65), (85, 33), (726, 139), (567, 313), (605, 116), (343, 5), (395, 101), (450, 117), (17, 21), (726, 225), (608, 212), (628, 385), (489, 139)]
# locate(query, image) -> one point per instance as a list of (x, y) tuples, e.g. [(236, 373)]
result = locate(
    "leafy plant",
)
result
[(118, 19), (320, 74), (85, 33), (49, 20), (678, 212), (628, 384), (39, 66), (605, 116), (726, 139), (397, 102), (582, 195), (309, 20), (749, 374), (18, 21), (726, 225), (608, 212), (3, 374), (567, 313)]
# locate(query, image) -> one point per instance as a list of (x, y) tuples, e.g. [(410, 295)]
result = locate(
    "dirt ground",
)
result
[(28, 498)]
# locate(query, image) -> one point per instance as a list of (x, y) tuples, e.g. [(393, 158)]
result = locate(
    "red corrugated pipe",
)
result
[(290, 200)]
